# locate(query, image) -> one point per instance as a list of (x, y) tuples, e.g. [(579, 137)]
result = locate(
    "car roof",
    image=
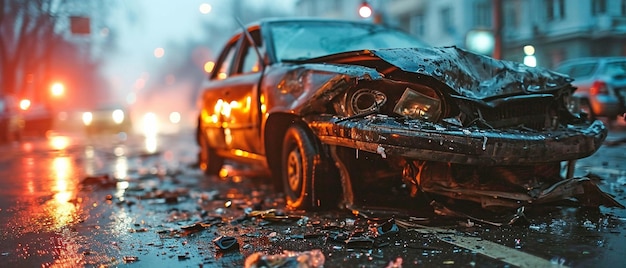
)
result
[(592, 59), (303, 19)]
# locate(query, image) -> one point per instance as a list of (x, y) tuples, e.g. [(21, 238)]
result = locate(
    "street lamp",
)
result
[(529, 56), (57, 89), (365, 10), (481, 41)]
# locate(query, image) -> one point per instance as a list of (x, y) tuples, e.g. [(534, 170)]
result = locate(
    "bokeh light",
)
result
[(159, 52), (205, 8)]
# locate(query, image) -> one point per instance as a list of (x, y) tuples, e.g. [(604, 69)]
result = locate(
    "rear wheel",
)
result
[(304, 174), (209, 161)]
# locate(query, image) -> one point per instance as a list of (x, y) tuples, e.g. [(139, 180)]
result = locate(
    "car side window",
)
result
[(250, 60), (616, 68), (583, 70), (564, 69), (224, 66)]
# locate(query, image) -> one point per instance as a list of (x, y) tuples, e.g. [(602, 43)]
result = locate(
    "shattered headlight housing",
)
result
[(416, 105), (367, 100)]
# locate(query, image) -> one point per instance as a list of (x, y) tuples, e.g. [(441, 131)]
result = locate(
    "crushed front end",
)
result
[(464, 126)]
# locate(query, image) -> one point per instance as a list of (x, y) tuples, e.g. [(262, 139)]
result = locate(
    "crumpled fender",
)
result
[(307, 88)]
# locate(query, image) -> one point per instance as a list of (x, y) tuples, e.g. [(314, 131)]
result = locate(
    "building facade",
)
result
[(556, 29)]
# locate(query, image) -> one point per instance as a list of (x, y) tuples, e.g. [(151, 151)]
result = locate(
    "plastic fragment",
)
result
[(381, 151), (397, 263), (288, 259), (388, 227), (226, 243), (131, 258)]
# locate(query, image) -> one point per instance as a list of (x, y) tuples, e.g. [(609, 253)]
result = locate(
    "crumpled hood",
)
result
[(473, 75)]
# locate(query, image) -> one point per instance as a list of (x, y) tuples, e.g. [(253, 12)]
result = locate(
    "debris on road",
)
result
[(288, 259), (128, 259), (226, 243), (104, 181)]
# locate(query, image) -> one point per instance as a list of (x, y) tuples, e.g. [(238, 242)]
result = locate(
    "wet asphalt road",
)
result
[(72, 201)]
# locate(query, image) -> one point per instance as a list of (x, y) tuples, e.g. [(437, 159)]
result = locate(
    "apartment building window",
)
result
[(446, 20), (417, 24), (623, 7), (599, 7), (512, 14), (555, 9), (482, 14)]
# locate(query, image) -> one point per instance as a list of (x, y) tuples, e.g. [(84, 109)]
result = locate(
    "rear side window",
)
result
[(616, 68), (224, 67), (582, 70)]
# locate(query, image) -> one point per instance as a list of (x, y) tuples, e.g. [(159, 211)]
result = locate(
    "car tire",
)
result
[(304, 174), (208, 160)]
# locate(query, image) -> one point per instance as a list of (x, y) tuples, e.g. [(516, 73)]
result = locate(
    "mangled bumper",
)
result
[(416, 139)]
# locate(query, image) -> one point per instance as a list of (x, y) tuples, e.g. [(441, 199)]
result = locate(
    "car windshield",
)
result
[(307, 40)]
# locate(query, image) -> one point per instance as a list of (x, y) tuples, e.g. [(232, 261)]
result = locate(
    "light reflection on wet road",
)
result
[(57, 209)]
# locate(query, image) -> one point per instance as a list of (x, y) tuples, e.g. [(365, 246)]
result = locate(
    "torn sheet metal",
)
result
[(581, 189), (474, 75)]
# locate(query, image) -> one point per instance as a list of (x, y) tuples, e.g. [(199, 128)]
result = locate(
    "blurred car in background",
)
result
[(601, 85), (329, 107), (22, 117), (106, 120), (157, 121), (38, 118), (11, 119)]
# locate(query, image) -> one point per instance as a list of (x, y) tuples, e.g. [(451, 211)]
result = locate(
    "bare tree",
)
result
[(26, 36), (31, 32)]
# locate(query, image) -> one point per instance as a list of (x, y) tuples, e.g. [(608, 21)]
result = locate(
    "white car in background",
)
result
[(601, 85), (106, 119)]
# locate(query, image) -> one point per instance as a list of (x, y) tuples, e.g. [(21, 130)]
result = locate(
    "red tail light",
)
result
[(598, 87)]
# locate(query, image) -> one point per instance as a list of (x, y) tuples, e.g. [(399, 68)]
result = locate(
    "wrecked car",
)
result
[(326, 106)]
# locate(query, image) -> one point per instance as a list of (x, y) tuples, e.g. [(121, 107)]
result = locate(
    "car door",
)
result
[(230, 112), (212, 112)]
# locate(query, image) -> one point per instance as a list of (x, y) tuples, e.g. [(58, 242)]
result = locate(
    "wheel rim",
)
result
[(294, 170)]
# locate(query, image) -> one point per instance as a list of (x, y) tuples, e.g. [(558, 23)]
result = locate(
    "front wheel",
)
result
[(304, 174)]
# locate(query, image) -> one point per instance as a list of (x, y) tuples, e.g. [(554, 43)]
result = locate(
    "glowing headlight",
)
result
[(150, 124), (416, 105), (87, 118), (367, 100), (118, 116), (175, 117)]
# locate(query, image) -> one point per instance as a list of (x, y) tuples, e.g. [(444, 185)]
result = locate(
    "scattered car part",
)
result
[(226, 243)]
